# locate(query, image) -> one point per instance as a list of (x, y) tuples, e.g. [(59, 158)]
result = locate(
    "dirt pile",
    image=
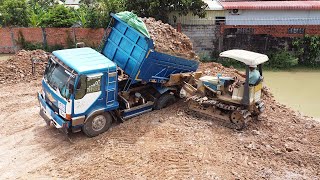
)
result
[(19, 67), (213, 69), (169, 40)]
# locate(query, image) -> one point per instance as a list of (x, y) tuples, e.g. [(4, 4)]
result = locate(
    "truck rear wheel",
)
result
[(164, 101), (97, 124)]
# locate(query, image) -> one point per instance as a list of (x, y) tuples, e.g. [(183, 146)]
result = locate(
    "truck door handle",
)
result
[(100, 99)]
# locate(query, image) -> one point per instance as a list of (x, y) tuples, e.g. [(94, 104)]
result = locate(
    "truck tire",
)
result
[(164, 101), (97, 124)]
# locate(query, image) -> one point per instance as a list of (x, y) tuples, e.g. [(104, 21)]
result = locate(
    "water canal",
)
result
[(299, 90)]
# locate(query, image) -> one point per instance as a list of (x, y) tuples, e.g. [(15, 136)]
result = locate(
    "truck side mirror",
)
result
[(71, 88)]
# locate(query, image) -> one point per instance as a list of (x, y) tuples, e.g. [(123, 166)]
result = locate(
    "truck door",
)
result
[(89, 94)]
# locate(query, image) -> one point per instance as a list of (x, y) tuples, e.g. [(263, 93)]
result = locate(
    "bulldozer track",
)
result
[(204, 101)]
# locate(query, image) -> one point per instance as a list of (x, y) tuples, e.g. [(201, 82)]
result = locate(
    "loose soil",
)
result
[(168, 40), (18, 68), (170, 143)]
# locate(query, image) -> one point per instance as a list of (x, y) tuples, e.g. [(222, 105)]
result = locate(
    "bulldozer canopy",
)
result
[(248, 57)]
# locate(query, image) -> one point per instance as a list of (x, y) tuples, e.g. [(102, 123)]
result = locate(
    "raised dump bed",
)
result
[(134, 53)]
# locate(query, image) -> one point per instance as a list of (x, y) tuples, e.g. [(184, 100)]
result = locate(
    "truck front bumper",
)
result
[(51, 117)]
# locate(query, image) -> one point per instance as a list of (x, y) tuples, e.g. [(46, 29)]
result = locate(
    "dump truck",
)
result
[(86, 90)]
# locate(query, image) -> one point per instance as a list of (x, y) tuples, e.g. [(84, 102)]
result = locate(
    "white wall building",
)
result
[(272, 13)]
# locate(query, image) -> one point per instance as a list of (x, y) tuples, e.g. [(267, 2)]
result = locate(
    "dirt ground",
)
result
[(166, 144)]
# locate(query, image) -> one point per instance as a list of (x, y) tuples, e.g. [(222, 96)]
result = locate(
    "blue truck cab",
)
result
[(77, 84), (83, 89)]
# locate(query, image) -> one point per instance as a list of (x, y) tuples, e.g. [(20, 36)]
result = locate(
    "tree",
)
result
[(87, 2), (36, 15), (160, 9), (90, 16), (38, 9), (96, 13), (111, 6), (59, 16), (44, 4), (14, 13), (308, 50)]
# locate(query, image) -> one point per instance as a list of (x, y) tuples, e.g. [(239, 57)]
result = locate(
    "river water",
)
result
[(299, 90)]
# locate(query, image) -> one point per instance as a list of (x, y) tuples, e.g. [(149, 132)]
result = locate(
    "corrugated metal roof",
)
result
[(274, 5), (213, 5)]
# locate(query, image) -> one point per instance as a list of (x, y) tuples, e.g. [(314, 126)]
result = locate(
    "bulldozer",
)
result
[(227, 98)]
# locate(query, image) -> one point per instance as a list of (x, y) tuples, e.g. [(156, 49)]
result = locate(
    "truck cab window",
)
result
[(87, 85), (81, 87)]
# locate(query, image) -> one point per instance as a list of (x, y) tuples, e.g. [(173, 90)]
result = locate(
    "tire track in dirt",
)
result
[(161, 150), (19, 103), (25, 142)]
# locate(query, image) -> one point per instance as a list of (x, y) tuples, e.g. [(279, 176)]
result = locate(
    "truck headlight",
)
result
[(62, 112)]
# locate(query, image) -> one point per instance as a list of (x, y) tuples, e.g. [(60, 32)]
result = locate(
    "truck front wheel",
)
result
[(164, 101), (97, 124)]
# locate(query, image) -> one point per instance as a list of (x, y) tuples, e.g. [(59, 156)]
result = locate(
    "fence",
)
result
[(9, 37)]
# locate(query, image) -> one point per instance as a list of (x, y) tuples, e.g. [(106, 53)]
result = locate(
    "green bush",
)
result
[(92, 16), (282, 60), (160, 9), (36, 14), (59, 16), (14, 13), (308, 50), (205, 57)]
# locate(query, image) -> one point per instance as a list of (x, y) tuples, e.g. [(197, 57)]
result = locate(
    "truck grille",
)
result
[(51, 105)]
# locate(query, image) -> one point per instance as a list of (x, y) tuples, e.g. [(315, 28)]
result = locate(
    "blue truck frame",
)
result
[(124, 49)]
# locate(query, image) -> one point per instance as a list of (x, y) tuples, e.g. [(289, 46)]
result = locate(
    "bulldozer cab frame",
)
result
[(249, 58)]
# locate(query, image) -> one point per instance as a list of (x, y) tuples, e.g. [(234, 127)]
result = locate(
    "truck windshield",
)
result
[(58, 78)]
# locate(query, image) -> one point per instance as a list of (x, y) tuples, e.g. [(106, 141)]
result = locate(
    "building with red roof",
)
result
[(238, 23), (272, 13)]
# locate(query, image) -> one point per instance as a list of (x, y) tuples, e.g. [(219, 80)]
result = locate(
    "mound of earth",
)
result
[(213, 69), (168, 40), (19, 67)]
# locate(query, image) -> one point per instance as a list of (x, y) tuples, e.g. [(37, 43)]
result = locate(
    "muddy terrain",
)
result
[(168, 144)]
